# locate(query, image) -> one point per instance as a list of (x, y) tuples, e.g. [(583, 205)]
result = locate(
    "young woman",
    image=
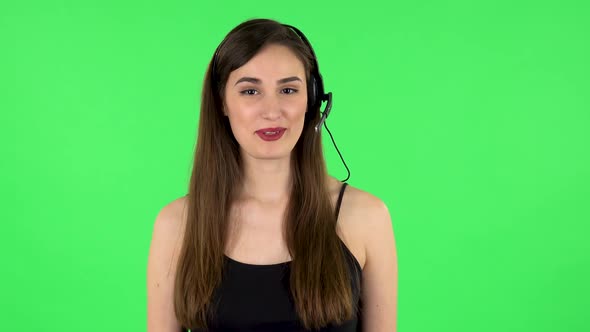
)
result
[(265, 239)]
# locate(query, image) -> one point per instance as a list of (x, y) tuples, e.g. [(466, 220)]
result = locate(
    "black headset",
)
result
[(315, 86), (315, 91)]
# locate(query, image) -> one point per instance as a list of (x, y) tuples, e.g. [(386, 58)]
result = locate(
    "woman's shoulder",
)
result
[(359, 211), (171, 218), (354, 199)]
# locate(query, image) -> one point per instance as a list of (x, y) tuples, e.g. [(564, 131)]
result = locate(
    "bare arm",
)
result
[(161, 269), (380, 272)]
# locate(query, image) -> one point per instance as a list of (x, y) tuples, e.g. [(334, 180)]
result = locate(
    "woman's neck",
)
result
[(267, 180)]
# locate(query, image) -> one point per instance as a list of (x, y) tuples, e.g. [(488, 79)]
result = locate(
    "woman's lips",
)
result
[(270, 134)]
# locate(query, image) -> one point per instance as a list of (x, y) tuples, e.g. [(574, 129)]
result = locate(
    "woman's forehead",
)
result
[(273, 62)]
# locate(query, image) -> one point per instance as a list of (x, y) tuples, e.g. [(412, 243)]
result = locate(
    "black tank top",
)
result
[(257, 297)]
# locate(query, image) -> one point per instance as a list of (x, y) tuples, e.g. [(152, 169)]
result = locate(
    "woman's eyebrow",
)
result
[(257, 80)]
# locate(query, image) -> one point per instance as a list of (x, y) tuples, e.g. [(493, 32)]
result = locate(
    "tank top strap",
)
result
[(340, 199)]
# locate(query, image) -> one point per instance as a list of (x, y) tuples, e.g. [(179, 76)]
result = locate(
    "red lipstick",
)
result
[(271, 134)]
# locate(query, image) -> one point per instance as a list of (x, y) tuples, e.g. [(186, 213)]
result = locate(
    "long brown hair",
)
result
[(319, 279)]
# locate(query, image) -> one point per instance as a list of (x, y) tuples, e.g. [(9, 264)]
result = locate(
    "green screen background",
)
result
[(470, 120)]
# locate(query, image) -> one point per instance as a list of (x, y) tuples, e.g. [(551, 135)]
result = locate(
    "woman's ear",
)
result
[(224, 109)]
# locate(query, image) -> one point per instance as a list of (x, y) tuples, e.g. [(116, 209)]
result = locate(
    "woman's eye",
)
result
[(248, 92), (252, 92)]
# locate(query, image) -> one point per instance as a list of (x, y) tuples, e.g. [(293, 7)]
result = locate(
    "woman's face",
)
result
[(269, 91)]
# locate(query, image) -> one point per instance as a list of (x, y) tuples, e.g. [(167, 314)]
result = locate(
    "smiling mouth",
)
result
[(271, 135), (271, 131)]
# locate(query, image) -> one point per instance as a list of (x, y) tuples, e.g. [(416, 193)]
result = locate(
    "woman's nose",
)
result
[(271, 107)]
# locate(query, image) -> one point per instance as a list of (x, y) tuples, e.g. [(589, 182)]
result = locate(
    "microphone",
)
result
[(327, 97)]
